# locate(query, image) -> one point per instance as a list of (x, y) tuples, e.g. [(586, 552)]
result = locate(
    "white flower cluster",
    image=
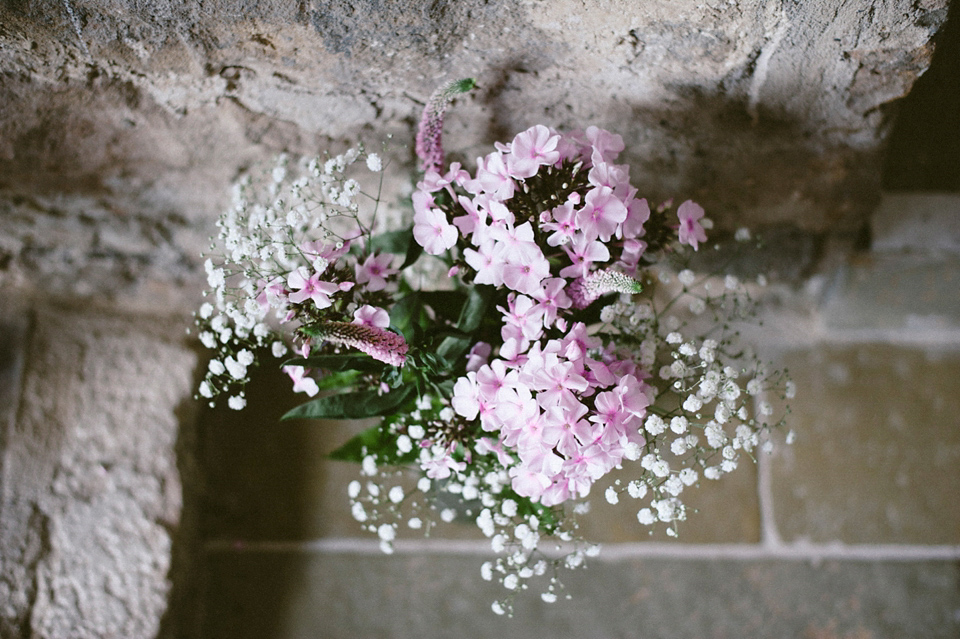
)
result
[(717, 392), (390, 498), (275, 226)]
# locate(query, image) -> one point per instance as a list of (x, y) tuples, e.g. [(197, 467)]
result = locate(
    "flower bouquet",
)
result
[(531, 327)]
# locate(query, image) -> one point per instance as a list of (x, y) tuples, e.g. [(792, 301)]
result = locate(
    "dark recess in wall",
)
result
[(923, 152)]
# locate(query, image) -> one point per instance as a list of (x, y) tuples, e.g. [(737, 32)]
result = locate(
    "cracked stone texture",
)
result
[(90, 488), (122, 123)]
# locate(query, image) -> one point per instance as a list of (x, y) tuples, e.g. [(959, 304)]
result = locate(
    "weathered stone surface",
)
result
[(913, 293), (140, 114), (294, 595), (877, 454), (90, 488), (917, 223)]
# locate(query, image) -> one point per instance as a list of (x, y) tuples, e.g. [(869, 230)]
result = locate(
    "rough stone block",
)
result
[(877, 454), (90, 491), (920, 223), (300, 595), (900, 292)]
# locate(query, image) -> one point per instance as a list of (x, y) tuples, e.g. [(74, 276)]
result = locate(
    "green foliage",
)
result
[(354, 405)]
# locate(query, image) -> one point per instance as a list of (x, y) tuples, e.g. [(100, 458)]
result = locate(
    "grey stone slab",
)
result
[(917, 222), (912, 293), (877, 452), (305, 595)]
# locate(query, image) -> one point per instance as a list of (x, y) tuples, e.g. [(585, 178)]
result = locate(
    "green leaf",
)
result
[(397, 242), (406, 314), (355, 405), (471, 316), (343, 379), (341, 362), (353, 450), (447, 304), (414, 251)]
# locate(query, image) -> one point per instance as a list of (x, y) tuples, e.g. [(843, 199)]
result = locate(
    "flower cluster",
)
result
[(568, 340)]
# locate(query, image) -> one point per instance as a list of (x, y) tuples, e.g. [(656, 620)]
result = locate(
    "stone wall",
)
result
[(126, 512)]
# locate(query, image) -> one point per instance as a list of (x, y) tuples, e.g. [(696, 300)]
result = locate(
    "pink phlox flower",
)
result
[(495, 377), (271, 293), (305, 286), (526, 277), (371, 316), (327, 250), (513, 351), (558, 382), (690, 231), (552, 299), (486, 262), (478, 356), (630, 254), (557, 492), (599, 374), (577, 342), (531, 149), (440, 464), (614, 176), (606, 145), (524, 419), (638, 212), (575, 147), (423, 201), (475, 216), (466, 396), (432, 182), (609, 410), (601, 214), (375, 270), (493, 177), (563, 226), (525, 314), (565, 429), (301, 382), (633, 396), (486, 445), (528, 482), (513, 407), (582, 252), (500, 215), (433, 232)]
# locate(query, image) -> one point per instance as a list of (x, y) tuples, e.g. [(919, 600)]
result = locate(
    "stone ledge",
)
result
[(287, 595)]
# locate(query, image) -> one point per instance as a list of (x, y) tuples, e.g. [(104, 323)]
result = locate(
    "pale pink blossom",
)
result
[(375, 270), (433, 232), (690, 231), (305, 286), (371, 316), (531, 149), (302, 383)]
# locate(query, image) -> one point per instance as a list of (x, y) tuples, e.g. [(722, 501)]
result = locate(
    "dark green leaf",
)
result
[(356, 405), (447, 304), (342, 362), (471, 316), (397, 242), (353, 450), (414, 251), (406, 314)]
